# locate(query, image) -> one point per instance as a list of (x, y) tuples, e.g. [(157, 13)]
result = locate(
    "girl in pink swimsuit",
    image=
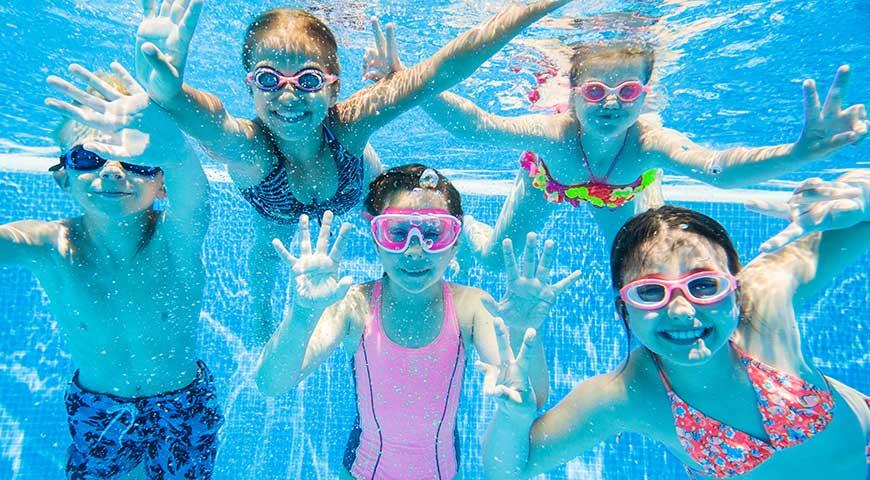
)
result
[(409, 331), (719, 377)]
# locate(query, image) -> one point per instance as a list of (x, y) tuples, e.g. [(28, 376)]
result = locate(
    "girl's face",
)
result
[(289, 112), (415, 269), (681, 331), (611, 116)]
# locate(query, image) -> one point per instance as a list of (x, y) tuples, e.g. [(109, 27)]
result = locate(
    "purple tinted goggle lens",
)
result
[(435, 232)]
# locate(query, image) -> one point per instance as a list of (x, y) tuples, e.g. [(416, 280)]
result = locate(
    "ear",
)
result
[(61, 178), (619, 303), (335, 88), (161, 193)]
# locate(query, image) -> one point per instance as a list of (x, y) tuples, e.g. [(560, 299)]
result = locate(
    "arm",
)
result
[(162, 44), (312, 328), (834, 220), (516, 447), (140, 132), (376, 105), (25, 243), (456, 114), (826, 129)]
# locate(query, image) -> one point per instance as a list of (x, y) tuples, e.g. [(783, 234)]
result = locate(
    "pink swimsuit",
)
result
[(792, 411), (406, 402)]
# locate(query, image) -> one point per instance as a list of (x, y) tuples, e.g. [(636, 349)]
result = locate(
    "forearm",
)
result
[(203, 116), (740, 166), (281, 363), (506, 446), (462, 118)]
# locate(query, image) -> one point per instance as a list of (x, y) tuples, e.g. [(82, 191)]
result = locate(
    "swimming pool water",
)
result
[(730, 75)]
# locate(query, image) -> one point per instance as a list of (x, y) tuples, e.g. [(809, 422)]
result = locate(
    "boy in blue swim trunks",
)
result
[(125, 282)]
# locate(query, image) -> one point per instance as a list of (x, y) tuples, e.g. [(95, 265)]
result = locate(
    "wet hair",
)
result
[(406, 178), (628, 245), (587, 53), (69, 132), (287, 22)]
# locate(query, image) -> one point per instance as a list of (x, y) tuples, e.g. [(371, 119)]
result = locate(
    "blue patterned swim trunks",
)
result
[(173, 433)]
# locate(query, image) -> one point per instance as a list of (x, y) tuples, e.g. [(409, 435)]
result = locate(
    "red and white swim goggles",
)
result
[(434, 228), (701, 288), (594, 91)]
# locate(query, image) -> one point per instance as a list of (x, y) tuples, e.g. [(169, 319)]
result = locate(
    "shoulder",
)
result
[(354, 308), (467, 301)]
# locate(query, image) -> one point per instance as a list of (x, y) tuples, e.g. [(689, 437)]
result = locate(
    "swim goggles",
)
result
[(594, 91), (434, 228), (268, 79), (77, 158), (701, 288)]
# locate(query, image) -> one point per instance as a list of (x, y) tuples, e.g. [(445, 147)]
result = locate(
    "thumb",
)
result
[(159, 61)]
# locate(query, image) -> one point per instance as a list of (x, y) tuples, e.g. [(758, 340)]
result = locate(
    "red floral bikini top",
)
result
[(792, 411)]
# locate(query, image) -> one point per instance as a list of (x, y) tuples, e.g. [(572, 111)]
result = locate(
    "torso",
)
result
[(140, 340)]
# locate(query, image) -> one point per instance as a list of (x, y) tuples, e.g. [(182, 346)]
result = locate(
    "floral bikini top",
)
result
[(792, 411), (596, 191)]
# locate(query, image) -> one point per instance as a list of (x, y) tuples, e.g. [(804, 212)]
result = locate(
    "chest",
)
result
[(315, 180), (570, 163)]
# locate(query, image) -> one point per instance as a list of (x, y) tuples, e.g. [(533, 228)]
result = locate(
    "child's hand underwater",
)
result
[(315, 273), (830, 127), (382, 60), (162, 44), (509, 382)]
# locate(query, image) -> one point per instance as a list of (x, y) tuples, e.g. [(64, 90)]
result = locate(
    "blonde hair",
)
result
[(585, 54), (69, 132)]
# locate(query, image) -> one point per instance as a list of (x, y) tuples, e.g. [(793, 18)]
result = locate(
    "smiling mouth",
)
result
[(112, 194), (415, 273), (685, 337), (291, 117)]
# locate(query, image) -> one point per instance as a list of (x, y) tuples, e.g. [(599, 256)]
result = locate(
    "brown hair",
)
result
[(406, 178), (286, 22), (625, 51)]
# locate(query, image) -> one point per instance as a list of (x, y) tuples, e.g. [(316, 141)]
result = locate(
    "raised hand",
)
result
[(830, 127), (509, 381), (125, 114), (315, 272), (162, 43), (382, 60), (528, 298), (817, 205)]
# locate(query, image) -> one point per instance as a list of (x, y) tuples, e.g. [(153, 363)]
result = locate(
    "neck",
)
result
[(120, 237), (596, 143), (718, 370), (402, 300), (303, 151)]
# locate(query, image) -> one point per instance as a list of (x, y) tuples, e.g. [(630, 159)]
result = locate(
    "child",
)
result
[(719, 378), (125, 283), (603, 152), (302, 154), (408, 332)]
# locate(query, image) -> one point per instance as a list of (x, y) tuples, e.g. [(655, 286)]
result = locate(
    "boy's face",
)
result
[(611, 116), (111, 190)]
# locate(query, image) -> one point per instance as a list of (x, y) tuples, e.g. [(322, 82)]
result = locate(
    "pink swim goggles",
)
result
[(594, 91), (307, 80), (435, 229), (701, 288)]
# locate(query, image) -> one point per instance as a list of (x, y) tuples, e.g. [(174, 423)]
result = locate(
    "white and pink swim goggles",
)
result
[(594, 91), (435, 229), (701, 288)]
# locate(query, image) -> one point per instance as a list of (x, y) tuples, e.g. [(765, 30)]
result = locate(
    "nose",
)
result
[(112, 170), (679, 308), (415, 248), (611, 101), (288, 94)]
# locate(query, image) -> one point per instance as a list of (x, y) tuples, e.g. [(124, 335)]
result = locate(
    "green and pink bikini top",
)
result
[(597, 191)]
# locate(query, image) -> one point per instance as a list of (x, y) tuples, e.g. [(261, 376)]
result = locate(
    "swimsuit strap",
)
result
[(661, 371), (592, 175)]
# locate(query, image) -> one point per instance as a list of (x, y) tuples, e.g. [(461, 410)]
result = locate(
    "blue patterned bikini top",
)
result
[(273, 197)]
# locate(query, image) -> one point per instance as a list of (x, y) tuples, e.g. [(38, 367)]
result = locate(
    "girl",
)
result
[(408, 332), (618, 149), (719, 377), (303, 152)]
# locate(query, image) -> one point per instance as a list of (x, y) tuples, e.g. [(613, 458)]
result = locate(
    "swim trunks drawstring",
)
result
[(119, 411)]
